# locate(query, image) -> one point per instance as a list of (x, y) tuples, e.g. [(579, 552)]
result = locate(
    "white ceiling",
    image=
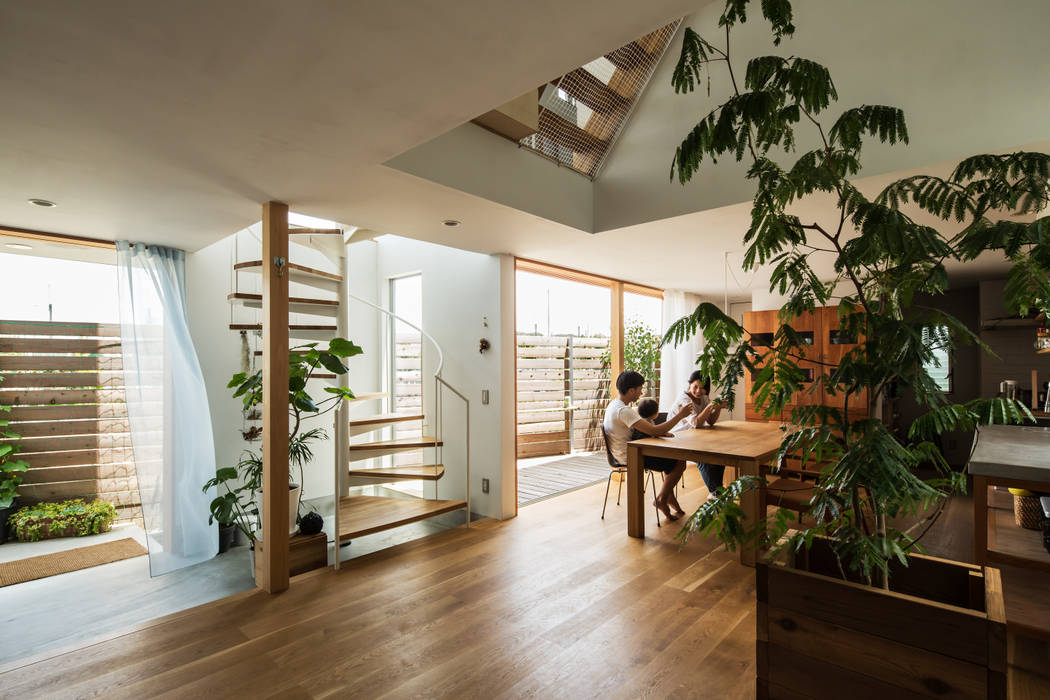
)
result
[(647, 229), (172, 122), (690, 251)]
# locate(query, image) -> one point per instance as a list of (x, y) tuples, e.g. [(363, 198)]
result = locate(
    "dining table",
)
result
[(747, 446)]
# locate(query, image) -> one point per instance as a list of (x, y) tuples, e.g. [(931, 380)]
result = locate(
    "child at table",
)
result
[(648, 409)]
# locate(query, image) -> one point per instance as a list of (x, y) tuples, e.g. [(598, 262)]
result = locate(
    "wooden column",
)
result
[(274, 552), (753, 504), (635, 492), (616, 331)]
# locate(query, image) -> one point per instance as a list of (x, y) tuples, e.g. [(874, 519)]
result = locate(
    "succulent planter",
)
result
[(73, 518), (939, 631)]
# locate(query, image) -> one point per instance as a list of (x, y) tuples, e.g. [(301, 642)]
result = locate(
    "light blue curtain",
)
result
[(168, 412)]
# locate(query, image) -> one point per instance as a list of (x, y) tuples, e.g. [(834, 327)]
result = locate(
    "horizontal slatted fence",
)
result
[(408, 392), (563, 385), (66, 389)]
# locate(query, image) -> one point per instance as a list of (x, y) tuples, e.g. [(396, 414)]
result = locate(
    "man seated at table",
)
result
[(621, 419), (702, 413)]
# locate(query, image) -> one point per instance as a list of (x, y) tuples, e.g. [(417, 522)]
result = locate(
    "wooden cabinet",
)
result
[(821, 345), (835, 344), (762, 325)]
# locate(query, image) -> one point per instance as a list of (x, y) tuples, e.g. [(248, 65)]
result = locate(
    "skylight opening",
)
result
[(583, 112)]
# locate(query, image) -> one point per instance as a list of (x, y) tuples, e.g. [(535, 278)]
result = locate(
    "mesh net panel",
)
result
[(582, 112)]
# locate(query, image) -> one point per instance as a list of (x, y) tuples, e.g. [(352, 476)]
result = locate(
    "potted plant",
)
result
[(303, 362), (11, 471), (846, 596), (234, 507)]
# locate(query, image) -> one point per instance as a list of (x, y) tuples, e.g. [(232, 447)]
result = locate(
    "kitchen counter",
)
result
[(1018, 452)]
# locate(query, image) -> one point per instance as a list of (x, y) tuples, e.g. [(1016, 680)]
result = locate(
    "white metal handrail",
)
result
[(439, 381)]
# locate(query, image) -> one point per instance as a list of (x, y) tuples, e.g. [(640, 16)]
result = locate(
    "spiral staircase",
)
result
[(318, 312)]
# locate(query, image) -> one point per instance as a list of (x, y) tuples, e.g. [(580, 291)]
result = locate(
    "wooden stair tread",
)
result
[(364, 515), (360, 397), (402, 443), (368, 396), (291, 327), (256, 266), (316, 231), (386, 418), (431, 472), (244, 296)]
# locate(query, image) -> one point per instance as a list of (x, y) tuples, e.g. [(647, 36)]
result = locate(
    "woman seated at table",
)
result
[(702, 413), (621, 419)]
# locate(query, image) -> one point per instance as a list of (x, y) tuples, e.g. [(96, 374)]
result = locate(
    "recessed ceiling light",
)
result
[(19, 246), (450, 222), (46, 203)]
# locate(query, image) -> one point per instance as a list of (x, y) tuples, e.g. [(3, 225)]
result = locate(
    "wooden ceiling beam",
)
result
[(568, 134), (585, 88), (629, 57)]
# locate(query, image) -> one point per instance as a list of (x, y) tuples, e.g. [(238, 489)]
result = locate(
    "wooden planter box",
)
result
[(939, 632)]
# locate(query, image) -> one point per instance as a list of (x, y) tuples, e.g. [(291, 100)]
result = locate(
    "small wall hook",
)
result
[(484, 345), (279, 264)]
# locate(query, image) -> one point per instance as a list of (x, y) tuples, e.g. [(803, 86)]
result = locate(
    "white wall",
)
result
[(460, 291), (218, 348), (472, 159)]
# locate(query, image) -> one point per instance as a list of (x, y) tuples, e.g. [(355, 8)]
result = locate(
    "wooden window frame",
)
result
[(31, 235)]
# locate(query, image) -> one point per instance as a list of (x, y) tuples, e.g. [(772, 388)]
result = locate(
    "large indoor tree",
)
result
[(876, 262)]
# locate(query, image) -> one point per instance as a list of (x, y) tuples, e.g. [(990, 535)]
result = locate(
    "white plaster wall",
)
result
[(472, 159), (218, 348), (460, 290)]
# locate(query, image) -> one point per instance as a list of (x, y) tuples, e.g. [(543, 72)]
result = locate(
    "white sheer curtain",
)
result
[(677, 362), (167, 407)]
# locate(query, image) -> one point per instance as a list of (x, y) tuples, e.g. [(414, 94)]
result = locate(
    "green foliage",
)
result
[(303, 362), (235, 502), (11, 468), (64, 519), (641, 350), (885, 259)]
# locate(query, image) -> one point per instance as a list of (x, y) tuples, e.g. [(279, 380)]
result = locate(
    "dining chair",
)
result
[(621, 469)]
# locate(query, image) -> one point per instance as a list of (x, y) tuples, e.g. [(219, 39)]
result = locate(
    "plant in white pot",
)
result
[(851, 571), (303, 362)]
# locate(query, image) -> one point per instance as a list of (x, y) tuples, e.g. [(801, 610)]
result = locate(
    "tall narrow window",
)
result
[(939, 366), (406, 344)]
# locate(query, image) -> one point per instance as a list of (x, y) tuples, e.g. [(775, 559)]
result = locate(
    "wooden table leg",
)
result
[(635, 484), (980, 519), (752, 503)]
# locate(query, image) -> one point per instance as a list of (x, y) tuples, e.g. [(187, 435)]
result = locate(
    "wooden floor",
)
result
[(364, 515), (555, 603)]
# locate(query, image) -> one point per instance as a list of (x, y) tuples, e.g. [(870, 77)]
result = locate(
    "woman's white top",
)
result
[(690, 420)]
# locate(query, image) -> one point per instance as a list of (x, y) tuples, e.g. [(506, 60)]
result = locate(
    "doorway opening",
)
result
[(575, 333)]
